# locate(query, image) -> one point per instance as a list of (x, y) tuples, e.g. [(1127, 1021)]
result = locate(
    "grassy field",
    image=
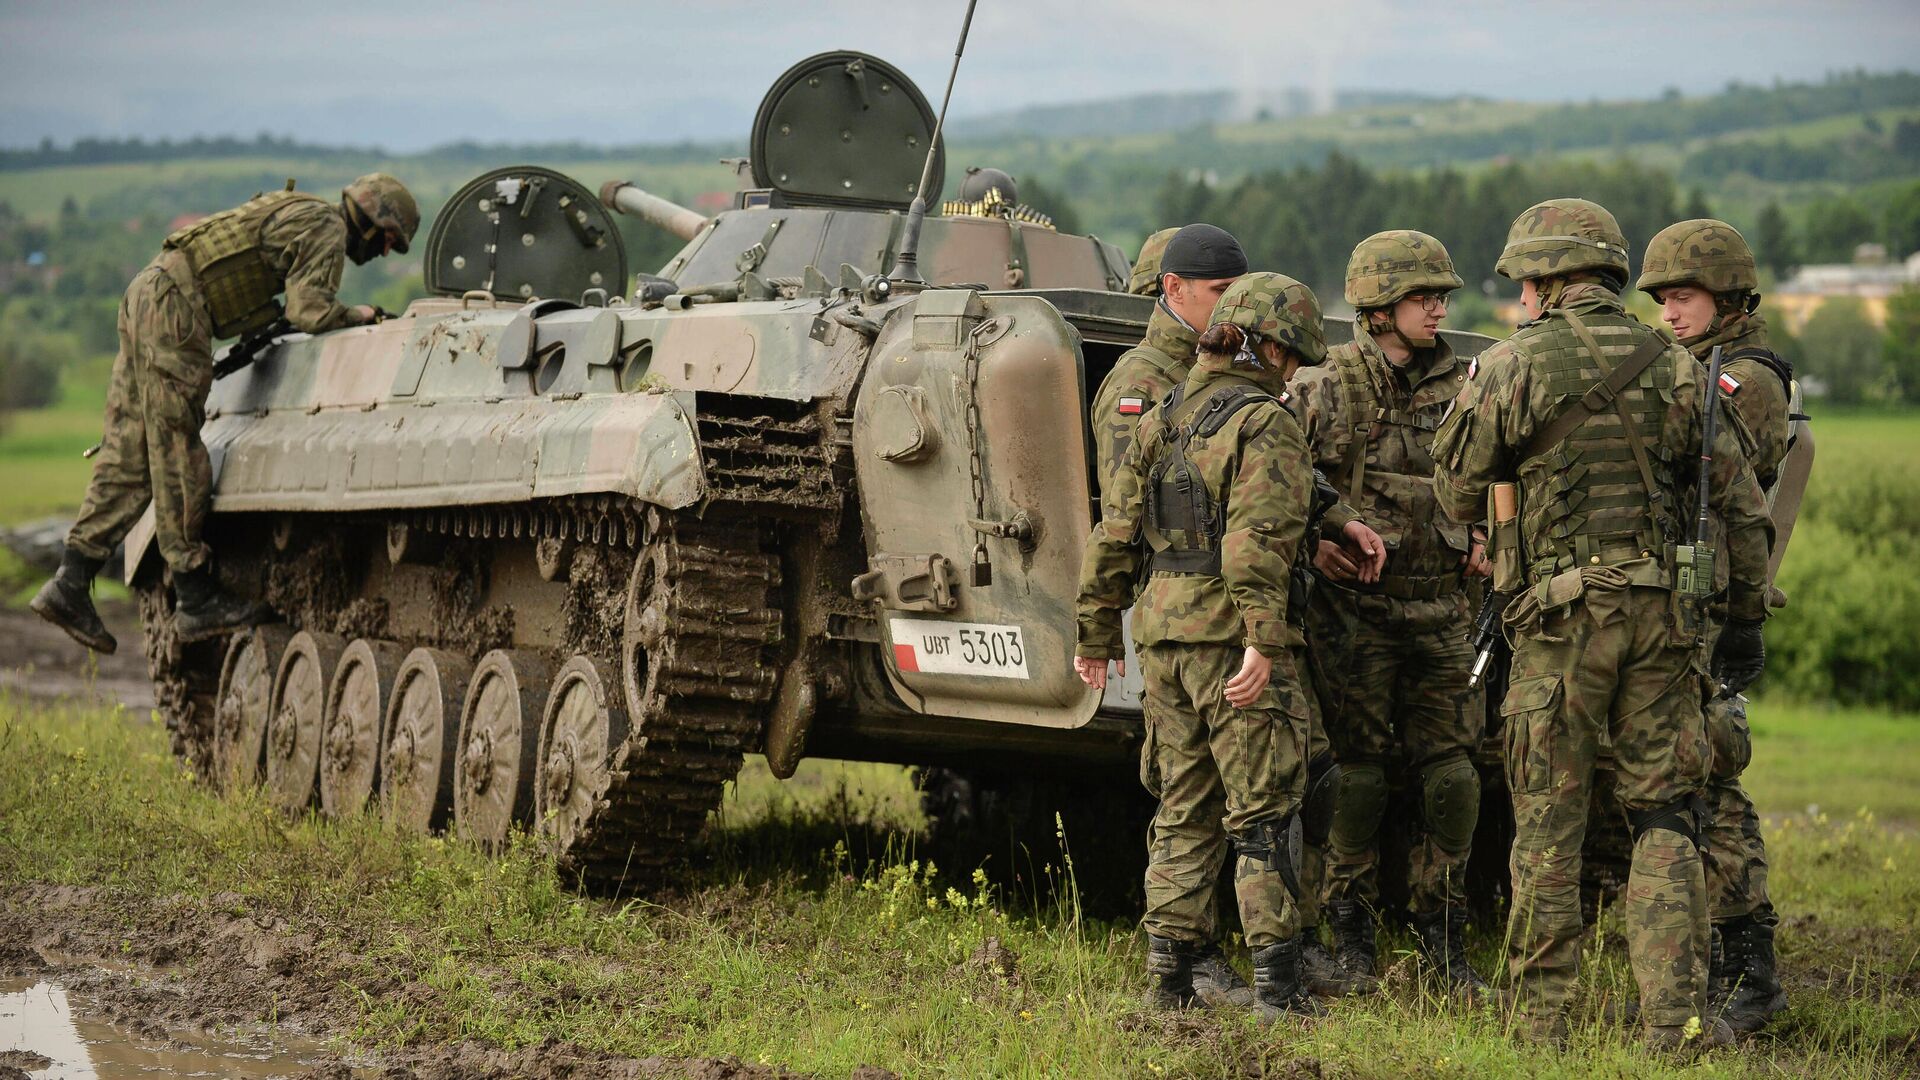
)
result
[(818, 938)]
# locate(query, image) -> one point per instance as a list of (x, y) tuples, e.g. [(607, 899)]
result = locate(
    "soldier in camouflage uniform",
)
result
[(218, 278), (1197, 265), (1703, 275), (1146, 269), (1219, 489), (1370, 413), (1599, 420)]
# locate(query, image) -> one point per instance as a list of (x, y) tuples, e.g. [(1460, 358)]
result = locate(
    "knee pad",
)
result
[(1359, 802), (1323, 788), (1450, 800), (1684, 815), (1277, 843)]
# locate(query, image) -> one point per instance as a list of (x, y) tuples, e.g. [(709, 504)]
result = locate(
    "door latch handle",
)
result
[(1018, 527)]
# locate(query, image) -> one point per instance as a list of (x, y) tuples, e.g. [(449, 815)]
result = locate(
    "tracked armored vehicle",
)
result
[(557, 546)]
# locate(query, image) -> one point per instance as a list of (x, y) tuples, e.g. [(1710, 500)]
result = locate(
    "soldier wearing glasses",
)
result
[(1370, 415)]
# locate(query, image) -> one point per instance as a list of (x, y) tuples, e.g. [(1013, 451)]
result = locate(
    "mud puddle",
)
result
[(47, 1032)]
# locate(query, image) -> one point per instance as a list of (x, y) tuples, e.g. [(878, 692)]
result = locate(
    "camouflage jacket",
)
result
[(302, 240), (1753, 389), (1524, 382), (1257, 466), (1370, 425), (1143, 376)]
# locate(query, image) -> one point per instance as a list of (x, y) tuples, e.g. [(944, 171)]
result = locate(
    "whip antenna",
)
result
[(906, 268)]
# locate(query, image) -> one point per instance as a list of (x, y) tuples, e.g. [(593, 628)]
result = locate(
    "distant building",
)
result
[(1870, 276)]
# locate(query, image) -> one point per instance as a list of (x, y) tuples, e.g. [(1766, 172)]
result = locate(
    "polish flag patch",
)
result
[(1473, 368), (1132, 406), (1728, 384)]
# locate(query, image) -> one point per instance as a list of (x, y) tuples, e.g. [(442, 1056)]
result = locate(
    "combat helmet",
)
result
[(980, 180), (1563, 236), (1146, 269), (378, 202), (1702, 251), (1387, 266), (1278, 308)]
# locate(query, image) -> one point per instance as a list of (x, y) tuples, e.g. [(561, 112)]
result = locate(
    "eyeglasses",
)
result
[(1431, 302)]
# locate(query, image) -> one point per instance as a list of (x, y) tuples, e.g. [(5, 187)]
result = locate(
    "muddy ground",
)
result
[(176, 971), (180, 972), (39, 661)]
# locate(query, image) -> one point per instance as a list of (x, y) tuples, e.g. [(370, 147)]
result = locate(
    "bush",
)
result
[(1849, 632)]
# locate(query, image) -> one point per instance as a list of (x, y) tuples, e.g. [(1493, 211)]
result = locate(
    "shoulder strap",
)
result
[(1224, 404), (1602, 394), (1770, 360), (1362, 401)]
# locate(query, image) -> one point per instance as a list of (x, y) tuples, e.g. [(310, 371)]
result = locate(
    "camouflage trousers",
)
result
[(156, 402), (1406, 700), (1600, 670), (1218, 772)]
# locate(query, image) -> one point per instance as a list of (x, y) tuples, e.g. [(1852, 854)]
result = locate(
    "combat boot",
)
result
[(1353, 943), (1443, 943), (66, 601), (1215, 982), (206, 610), (1319, 971), (1277, 989), (1170, 973), (1675, 1042), (1746, 991)]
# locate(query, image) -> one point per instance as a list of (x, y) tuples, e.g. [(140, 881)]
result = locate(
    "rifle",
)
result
[(1693, 563), (248, 348), (1503, 547), (1486, 639)]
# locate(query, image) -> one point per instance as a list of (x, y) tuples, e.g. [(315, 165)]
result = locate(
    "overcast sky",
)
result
[(407, 75)]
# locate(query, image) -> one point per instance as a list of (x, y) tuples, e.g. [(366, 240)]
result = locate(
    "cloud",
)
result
[(407, 74)]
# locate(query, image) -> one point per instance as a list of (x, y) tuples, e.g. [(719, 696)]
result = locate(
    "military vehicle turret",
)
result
[(555, 547)]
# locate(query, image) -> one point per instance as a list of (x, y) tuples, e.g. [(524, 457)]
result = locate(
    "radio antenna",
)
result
[(906, 268)]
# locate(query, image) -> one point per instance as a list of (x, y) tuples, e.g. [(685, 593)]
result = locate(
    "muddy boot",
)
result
[(1746, 992), (1319, 971), (1277, 987), (66, 601), (206, 610), (1170, 973), (1353, 943), (1443, 943), (1215, 982), (1675, 1042)]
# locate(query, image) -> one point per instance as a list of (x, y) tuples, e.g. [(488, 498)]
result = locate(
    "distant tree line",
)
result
[(96, 151)]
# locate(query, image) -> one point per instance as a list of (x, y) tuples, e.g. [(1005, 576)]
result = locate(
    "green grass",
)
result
[(818, 941)]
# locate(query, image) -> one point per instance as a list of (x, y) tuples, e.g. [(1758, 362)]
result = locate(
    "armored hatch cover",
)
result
[(524, 231), (844, 129)]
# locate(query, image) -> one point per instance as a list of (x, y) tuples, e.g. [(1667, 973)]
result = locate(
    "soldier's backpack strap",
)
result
[(1362, 402), (1203, 415), (1768, 359), (1603, 394)]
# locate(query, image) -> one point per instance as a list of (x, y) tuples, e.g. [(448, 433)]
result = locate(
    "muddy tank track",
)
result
[(183, 695), (700, 622)]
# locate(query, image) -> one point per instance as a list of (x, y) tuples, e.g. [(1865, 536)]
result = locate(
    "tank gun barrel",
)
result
[(623, 196)]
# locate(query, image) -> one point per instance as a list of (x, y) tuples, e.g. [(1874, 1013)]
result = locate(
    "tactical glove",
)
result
[(1740, 654)]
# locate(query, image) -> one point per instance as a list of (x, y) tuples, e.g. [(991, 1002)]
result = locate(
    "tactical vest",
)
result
[(229, 261), (1367, 421), (1606, 493), (1184, 522)]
